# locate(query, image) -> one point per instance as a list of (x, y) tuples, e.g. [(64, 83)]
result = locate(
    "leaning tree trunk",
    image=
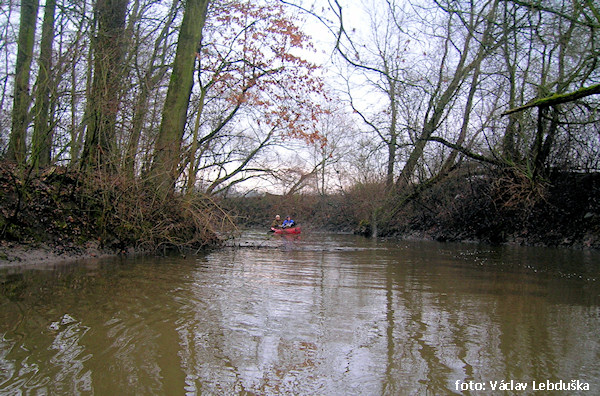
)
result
[(167, 152)]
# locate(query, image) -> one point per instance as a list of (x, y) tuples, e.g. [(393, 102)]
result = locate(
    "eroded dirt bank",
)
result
[(63, 215)]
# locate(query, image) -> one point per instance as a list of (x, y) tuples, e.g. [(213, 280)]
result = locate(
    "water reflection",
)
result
[(328, 315)]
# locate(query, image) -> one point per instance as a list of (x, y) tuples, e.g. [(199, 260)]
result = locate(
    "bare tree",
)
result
[(560, 70), (150, 72), (385, 61)]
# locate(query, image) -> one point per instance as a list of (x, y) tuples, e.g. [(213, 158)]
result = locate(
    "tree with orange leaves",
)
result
[(254, 88)]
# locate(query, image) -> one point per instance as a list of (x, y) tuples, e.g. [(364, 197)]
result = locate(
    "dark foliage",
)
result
[(563, 210), (479, 204), (331, 212)]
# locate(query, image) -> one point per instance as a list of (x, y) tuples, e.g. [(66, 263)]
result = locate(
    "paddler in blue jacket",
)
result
[(288, 222)]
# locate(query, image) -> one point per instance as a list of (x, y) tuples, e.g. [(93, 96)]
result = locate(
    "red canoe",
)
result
[(293, 230)]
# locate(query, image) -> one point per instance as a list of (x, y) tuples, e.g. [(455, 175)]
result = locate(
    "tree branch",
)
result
[(557, 99), (464, 151)]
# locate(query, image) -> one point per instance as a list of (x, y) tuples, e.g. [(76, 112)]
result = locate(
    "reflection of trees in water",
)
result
[(325, 319), (342, 320), (7, 366), (69, 360), (463, 325)]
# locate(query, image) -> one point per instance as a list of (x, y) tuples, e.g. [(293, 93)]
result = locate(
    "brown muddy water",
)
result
[(322, 314)]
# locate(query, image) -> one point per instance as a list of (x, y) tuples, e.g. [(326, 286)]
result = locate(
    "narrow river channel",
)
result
[(318, 314)]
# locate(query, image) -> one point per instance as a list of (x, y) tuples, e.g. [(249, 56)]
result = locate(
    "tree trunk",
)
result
[(41, 142), (103, 103), (77, 120), (167, 152), (194, 145), (393, 141), (510, 61), (17, 150)]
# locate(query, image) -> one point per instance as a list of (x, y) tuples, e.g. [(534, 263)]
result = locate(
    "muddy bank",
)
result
[(561, 211), (15, 254)]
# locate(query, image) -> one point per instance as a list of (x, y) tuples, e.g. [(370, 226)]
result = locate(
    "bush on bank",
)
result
[(561, 210)]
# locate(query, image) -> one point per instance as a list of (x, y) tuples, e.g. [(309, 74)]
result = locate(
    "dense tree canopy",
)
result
[(422, 87), (135, 88)]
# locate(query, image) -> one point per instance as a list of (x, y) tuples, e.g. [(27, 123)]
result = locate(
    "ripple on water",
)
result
[(321, 315)]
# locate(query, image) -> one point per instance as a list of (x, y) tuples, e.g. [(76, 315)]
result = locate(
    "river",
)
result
[(318, 314)]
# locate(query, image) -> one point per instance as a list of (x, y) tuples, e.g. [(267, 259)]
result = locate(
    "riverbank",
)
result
[(563, 210), (63, 215), (58, 215)]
